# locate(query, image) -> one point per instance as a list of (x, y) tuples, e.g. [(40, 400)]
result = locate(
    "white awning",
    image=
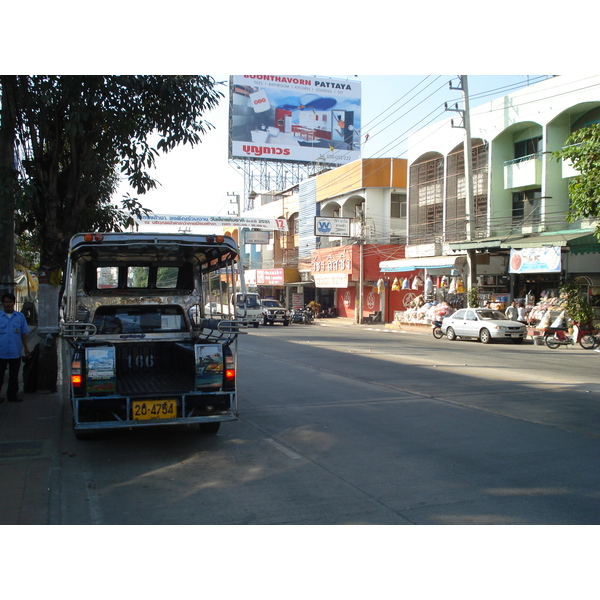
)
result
[(411, 264)]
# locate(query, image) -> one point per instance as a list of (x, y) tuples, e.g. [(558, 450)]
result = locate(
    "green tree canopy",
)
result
[(77, 136), (582, 149)]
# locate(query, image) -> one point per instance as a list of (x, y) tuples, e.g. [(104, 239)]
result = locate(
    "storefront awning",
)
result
[(535, 240), (411, 264), (479, 243), (546, 239)]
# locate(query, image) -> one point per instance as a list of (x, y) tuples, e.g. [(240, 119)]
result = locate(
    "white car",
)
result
[(484, 324), (216, 309)]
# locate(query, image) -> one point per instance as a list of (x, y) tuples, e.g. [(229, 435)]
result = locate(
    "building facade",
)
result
[(520, 192)]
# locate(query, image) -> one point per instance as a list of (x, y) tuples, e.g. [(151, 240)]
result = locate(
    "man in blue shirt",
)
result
[(13, 337)]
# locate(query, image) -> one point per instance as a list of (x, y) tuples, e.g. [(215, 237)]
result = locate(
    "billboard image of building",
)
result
[(295, 118)]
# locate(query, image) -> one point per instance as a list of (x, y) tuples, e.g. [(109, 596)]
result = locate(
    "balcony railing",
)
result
[(522, 172)]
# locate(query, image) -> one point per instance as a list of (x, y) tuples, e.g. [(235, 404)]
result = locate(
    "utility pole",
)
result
[(468, 160), (361, 269), (236, 202)]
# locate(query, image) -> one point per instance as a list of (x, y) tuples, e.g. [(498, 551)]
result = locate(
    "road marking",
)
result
[(289, 453)]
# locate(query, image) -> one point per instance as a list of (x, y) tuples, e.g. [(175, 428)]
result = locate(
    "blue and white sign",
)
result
[(332, 227), (535, 260)]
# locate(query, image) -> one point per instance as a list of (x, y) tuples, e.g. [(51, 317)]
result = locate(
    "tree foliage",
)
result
[(576, 304), (582, 149), (79, 135)]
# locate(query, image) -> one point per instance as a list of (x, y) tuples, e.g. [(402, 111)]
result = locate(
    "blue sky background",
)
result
[(196, 181)]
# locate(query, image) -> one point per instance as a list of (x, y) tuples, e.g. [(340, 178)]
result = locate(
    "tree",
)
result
[(582, 149), (74, 137), (79, 134)]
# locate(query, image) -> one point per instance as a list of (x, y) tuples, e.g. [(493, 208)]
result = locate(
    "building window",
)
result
[(456, 192), (527, 207), (528, 147), (398, 206), (426, 197)]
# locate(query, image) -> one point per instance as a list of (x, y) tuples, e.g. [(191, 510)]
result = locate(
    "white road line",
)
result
[(289, 453)]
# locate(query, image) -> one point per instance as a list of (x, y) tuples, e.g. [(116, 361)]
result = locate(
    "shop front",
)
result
[(271, 283), (336, 273), (423, 289)]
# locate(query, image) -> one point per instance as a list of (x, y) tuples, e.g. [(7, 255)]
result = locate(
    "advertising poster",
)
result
[(535, 260), (209, 366), (100, 368), (295, 118)]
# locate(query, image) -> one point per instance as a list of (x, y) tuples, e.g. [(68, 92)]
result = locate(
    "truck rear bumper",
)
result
[(119, 412)]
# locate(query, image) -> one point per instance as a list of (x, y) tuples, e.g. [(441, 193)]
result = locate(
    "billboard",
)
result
[(295, 118)]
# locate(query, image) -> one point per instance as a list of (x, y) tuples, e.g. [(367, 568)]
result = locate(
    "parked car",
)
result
[(484, 324), (275, 312), (216, 309)]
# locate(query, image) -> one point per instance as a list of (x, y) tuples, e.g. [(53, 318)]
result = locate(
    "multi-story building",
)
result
[(302, 266), (418, 223), (520, 193), (271, 258)]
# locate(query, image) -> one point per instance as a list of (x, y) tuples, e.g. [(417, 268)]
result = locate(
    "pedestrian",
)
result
[(13, 338), (511, 312), (522, 313)]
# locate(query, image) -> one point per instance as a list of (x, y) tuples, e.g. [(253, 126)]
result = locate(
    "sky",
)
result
[(202, 181)]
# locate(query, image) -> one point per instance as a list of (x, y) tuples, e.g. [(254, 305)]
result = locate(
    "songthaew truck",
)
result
[(140, 349)]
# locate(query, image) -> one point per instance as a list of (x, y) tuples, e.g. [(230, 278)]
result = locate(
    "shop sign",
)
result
[(337, 262), (297, 301), (257, 237), (269, 277), (334, 227), (535, 260), (331, 280)]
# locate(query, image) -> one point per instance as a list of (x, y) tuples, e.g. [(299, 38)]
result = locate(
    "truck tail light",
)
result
[(229, 373), (76, 378)]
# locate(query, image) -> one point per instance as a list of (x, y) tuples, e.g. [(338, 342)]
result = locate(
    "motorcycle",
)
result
[(297, 316), (436, 330), (302, 315), (558, 336)]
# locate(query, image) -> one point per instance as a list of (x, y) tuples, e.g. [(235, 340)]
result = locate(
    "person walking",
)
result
[(13, 338), (511, 312)]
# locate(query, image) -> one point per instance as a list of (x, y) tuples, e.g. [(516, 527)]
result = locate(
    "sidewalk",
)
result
[(395, 327), (30, 442)]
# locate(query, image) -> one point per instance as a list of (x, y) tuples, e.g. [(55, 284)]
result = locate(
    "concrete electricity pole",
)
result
[(468, 160)]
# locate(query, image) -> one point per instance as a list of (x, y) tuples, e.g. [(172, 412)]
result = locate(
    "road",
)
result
[(348, 425)]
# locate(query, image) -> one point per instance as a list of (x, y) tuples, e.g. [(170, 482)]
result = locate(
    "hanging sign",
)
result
[(182, 220), (333, 227), (535, 260)]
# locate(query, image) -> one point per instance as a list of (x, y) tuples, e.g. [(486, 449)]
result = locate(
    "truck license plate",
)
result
[(144, 410)]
